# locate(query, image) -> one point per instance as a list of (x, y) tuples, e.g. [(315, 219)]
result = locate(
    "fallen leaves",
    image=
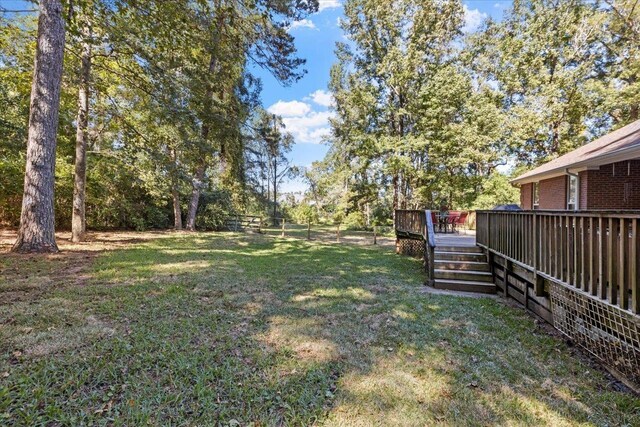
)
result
[(106, 408)]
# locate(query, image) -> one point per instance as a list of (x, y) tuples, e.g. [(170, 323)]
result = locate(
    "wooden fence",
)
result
[(595, 252), (417, 225), (243, 222)]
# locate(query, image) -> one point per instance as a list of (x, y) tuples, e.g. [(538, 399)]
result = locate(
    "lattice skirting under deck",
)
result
[(410, 247), (608, 332)]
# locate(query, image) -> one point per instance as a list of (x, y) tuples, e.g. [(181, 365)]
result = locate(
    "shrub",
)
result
[(354, 221), (213, 209)]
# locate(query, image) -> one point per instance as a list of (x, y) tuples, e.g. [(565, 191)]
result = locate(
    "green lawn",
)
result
[(231, 329), (328, 233)]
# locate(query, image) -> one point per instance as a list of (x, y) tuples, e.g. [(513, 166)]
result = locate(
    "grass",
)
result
[(328, 233), (230, 329)]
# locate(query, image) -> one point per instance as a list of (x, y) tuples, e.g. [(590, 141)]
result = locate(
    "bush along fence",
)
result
[(577, 270)]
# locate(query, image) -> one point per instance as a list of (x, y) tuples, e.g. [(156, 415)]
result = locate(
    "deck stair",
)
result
[(462, 268)]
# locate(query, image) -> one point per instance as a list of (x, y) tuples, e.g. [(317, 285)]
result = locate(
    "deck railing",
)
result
[(592, 251), (418, 225)]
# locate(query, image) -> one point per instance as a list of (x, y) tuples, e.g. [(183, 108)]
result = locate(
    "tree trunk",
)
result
[(197, 182), (37, 221), (635, 112), (275, 191), (78, 219), (177, 213), (195, 198), (395, 195)]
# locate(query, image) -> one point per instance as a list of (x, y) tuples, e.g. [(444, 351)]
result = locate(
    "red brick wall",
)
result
[(606, 188), (553, 193), (526, 196)]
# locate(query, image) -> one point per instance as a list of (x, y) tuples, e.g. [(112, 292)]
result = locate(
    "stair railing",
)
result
[(429, 247), (418, 225)]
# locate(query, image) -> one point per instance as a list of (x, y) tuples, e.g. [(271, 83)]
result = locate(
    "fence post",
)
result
[(283, 224), (375, 239)]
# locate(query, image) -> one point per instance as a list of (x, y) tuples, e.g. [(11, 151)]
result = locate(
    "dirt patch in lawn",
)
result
[(25, 277)]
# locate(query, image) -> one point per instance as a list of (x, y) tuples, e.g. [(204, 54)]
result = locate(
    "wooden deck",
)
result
[(452, 261), (578, 270), (461, 240)]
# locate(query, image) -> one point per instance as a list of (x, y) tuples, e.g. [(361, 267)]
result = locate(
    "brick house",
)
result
[(604, 174)]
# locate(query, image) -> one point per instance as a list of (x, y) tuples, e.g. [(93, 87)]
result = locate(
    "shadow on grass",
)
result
[(210, 329)]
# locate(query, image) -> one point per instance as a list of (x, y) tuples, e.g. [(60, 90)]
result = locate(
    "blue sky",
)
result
[(305, 105)]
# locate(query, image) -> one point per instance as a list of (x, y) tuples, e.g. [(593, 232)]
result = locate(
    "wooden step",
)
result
[(459, 256), (470, 249), (461, 265), (474, 276), (465, 286)]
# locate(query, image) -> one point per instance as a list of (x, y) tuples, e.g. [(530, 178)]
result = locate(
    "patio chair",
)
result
[(452, 220), (461, 221)]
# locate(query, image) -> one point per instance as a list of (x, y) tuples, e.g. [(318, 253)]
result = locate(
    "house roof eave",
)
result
[(627, 153)]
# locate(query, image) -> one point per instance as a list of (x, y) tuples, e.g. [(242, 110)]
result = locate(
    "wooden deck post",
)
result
[(633, 268), (538, 286)]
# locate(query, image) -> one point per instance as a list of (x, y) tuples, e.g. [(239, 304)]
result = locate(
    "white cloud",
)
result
[(328, 4), (303, 120), (303, 23), (290, 108), (322, 97), (310, 129), (473, 18)]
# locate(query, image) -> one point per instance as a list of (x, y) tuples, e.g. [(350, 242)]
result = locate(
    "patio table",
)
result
[(443, 222)]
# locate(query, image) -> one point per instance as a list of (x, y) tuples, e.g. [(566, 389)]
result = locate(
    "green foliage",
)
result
[(354, 221), (304, 213), (117, 197), (381, 214), (266, 159), (214, 208), (425, 114), (171, 97), (497, 190), (413, 124), (546, 59)]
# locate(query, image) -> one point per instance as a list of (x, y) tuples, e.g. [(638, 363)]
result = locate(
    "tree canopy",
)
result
[(160, 122), (427, 114)]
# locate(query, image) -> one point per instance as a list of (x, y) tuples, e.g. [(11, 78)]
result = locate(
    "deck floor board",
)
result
[(455, 239)]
